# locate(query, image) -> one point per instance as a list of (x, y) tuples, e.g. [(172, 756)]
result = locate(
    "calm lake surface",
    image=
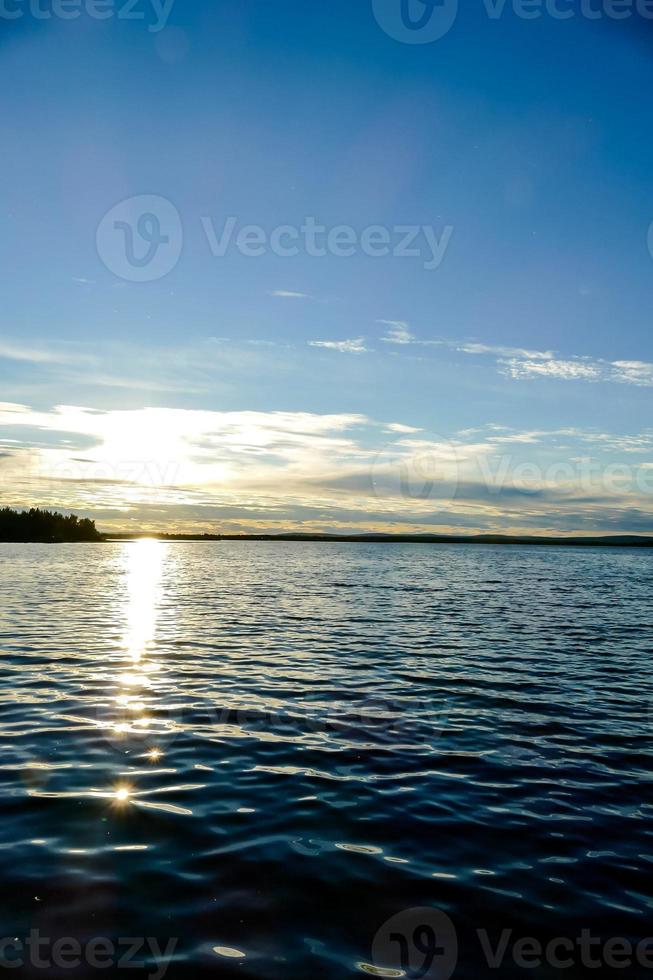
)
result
[(268, 751)]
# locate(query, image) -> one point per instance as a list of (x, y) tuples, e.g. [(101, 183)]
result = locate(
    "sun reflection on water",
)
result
[(143, 564), (121, 796), (144, 561), (136, 692)]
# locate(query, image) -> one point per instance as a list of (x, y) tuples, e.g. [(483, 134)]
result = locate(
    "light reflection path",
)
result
[(143, 566), (135, 699)]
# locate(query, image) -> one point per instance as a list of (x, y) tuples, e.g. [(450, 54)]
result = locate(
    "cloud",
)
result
[(633, 372), (398, 332), (212, 365), (574, 370), (500, 351), (201, 367), (356, 346), (13, 407), (639, 373), (522, 364), (173, 468), (288, 294), (398, 427), (13, 352)]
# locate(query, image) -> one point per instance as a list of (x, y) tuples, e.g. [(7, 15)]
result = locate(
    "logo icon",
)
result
[(421, 944), (141, 238), (416, 21), (424, 474)]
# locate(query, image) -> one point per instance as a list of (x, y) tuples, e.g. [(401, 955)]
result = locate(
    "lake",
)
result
[(298, 760)]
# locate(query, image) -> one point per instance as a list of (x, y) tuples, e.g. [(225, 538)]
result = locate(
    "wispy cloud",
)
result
[(633, 373), (288, 294), (564, 370), (41, 355), (197, 367), (400, 428), (528, 365), (522, 364), (639, 373), (498, 350), (356, 346), (398, 332)]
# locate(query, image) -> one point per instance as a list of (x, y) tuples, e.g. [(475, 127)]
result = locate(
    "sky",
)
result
[(346, 266)]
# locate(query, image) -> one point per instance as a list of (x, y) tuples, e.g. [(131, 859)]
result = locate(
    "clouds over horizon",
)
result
[(243, 432), (275, 470)]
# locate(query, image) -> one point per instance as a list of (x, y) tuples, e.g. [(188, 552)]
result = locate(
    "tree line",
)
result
[(45, 526)]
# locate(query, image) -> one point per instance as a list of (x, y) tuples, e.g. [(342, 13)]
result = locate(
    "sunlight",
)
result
[(143, 563), (122, 794), (131, 679), (143, 569)]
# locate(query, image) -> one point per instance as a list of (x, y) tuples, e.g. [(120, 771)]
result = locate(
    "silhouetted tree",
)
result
[(46, 526)]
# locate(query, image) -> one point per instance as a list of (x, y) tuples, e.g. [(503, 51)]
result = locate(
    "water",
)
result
[(267, 751)]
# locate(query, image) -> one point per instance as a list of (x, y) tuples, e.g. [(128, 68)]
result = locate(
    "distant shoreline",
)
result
[(601, 541), (36, 526)]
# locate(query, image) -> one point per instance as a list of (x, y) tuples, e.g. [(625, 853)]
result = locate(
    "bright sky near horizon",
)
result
[(283, 264)]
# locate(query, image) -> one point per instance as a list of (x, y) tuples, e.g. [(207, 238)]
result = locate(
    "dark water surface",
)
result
[(267, 751)]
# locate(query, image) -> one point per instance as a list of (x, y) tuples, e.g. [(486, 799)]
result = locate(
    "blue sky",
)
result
[(498, 386)]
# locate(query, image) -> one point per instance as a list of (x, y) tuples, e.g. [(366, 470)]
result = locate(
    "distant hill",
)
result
[(595, 541), (45, 526)]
